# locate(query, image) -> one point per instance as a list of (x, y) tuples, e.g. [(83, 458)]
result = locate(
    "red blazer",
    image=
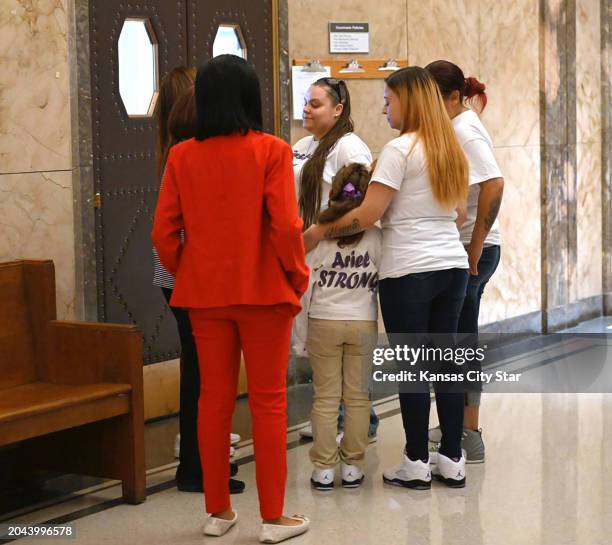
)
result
[(234, 197)]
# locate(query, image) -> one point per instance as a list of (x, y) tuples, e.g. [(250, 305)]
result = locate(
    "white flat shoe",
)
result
[(217, 527), (275, 533)]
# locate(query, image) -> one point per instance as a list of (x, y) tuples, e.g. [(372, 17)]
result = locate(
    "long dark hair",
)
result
[(449, 78), (228, 98), (172, 86), (311, 182), (343, 198), (182, 119)]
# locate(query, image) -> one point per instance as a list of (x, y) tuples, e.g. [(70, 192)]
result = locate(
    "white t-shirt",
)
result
[(419, 234), (349, 149), (478, 148), (343, 284)]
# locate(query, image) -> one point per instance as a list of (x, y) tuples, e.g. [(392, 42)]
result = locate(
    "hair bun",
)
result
[(475, 94), (473, 87)]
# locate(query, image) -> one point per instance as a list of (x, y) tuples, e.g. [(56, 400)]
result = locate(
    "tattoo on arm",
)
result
[(337, 232), (492, 215)]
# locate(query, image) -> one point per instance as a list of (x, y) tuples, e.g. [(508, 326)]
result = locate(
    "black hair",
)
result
[(228, 97)]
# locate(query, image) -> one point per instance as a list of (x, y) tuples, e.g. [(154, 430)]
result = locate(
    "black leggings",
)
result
[(189, 468), (427, 302)]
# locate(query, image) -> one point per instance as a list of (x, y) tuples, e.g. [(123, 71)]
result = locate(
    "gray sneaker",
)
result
[(471, 443)]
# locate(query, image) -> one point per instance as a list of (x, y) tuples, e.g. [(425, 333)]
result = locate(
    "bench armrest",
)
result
[(91, 352)]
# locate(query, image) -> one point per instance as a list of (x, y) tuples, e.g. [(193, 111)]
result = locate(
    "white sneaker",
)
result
[(217, 527), (409, 474), (433, 454), (451, 473), (275, 533), (322, 479), (306, 431), (177, 446), (352, 476), (235, 438)]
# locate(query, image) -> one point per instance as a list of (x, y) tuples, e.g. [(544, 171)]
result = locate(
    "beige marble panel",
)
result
[(308, 37), (589, 235), (509, 66), (34, 86), (308, 30), (515, 288), (36, 223), (444, 29), (588, 71)]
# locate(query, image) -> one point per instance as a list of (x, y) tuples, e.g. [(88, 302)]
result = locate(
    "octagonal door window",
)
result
[(138, 67), (229, 40)]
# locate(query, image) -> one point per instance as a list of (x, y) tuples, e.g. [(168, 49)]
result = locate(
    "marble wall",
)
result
[(480, 37), (588, 149), (36, 214), (36, 166)]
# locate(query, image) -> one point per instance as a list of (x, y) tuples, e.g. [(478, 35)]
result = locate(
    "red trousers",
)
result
[(263, 333)]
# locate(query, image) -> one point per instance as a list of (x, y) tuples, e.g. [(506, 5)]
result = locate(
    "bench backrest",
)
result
[(27, 303)]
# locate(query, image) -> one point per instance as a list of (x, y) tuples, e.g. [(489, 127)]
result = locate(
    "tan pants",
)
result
[(340, 353)]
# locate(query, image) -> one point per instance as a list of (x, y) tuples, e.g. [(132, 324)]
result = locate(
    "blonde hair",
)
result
[(424, 114)]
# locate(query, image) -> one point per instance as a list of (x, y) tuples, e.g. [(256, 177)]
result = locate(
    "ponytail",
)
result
[(449, 78)]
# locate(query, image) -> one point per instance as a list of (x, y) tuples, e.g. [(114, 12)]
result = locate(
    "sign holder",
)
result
[(359, 68)]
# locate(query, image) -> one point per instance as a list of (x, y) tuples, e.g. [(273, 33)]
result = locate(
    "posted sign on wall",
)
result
[(349, 37)]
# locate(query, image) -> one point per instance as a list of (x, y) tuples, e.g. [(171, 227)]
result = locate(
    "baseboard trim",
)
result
[(524, 324), (572, 314)]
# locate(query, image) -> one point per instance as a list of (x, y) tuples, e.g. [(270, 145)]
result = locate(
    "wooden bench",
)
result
[(70, 392)]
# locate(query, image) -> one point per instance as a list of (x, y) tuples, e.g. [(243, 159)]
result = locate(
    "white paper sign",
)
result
[(300, 82), (349, 37)]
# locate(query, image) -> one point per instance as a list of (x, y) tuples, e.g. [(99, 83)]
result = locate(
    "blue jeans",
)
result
[(468, 321)]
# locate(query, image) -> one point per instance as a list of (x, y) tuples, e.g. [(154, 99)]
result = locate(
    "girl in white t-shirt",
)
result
[(317, 158), (339, 324), (419, 180), (480, 232)]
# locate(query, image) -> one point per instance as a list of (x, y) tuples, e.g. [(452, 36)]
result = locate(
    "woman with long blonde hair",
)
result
[(420, 179)]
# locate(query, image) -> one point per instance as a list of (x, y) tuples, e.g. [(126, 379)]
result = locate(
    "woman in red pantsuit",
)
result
[(240, 272)]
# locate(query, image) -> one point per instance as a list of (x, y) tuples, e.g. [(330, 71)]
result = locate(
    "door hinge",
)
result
[(97, 201)]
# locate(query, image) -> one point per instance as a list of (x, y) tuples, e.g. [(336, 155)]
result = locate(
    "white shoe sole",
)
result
[(275, 533), (451, 483), (353, 484), (416, 484), (219, 527)]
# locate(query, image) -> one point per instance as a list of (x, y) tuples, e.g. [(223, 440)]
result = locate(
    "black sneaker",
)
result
[(236, 486)]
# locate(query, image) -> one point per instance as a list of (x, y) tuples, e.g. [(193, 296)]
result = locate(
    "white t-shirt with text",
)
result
[(343, 284)]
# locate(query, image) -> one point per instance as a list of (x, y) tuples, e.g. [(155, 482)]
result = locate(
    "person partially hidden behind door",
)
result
[(176, 122), (240, 272)]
